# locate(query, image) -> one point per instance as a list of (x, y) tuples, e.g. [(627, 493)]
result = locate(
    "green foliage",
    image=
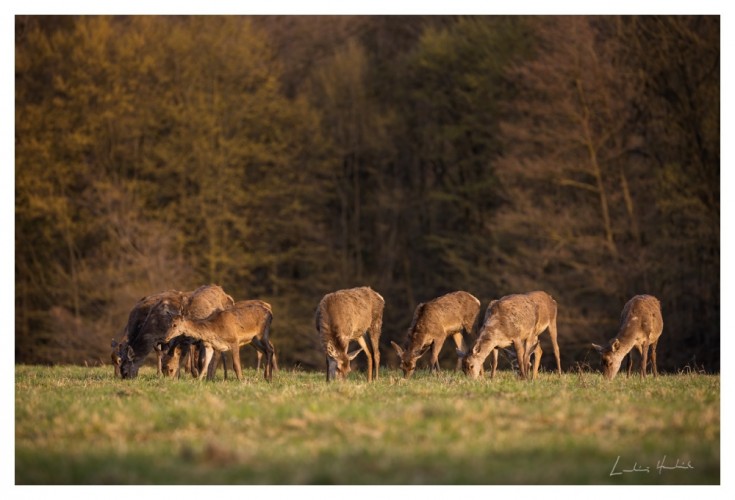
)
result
[(81, 426)]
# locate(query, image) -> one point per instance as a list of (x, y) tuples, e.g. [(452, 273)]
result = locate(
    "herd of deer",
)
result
[(191, 327)]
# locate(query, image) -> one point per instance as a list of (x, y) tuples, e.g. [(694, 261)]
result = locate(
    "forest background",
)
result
[(284, 157)]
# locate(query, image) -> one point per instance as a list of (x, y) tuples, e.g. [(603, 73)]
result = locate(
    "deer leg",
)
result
[(263, 346), (270, 355), (374, 332), (235, 349), (536, 360), (495, 363), (630, 364), (208, 353), (363, 344), (554, 343), (159, 357), (529, 348), (375, 344), (436, 348), (521, 357), (644, 360), (211, 369), (195, 354), (653, 358), (185, 359), (459, 342), (260, 357), (275, 360)]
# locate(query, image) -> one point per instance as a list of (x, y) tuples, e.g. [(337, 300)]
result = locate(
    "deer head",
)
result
[(170, 361), (128, 366), (611, 358), (471, 365), (176, 328), (408, 359), (338, 363)]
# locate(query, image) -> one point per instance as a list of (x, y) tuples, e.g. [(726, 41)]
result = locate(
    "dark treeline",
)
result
[(287, 157)]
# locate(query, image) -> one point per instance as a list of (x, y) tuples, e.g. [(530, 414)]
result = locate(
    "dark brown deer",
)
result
[(344, 316), (228, 330), (146, 329), (515, 320), (199, 304), (118, 348), (641, 325), (451, 315)]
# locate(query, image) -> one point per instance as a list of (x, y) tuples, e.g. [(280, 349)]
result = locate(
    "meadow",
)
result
[(78, 425)]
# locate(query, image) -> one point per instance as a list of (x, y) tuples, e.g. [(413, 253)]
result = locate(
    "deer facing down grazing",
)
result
[(641, 325), (347, 315), (516, 320), (147, 325), (451, 315), (228, 330), (198, 304)]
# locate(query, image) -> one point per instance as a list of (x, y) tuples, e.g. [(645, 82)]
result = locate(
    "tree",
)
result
[(583, 217)]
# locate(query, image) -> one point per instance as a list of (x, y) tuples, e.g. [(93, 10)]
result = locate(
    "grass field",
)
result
[(76, 425)]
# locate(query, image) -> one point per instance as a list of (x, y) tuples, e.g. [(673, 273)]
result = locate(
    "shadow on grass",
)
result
[(217, 465)]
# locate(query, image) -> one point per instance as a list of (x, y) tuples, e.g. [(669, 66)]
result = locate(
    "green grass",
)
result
[(77, 425)]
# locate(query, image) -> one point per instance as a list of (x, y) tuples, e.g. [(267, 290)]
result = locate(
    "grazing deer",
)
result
[(183, 351), (199, 304), (228, 330), (451, 315), (641, 325), (147, 324), (515, 320), (347, 315)]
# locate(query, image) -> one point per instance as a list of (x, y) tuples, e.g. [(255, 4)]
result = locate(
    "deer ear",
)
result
[(397, 348), (353, 354), (114, 343), (615, 345), (598, 348), (131, 353), (461, 354)]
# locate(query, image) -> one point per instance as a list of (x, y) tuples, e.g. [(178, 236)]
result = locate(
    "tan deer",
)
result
[(198, 304), (515, 320), (228, 330), (451, 315), (641, 325), (188, 350), (347, 315)]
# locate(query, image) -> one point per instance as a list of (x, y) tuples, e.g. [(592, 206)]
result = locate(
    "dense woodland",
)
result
[(287, 157)]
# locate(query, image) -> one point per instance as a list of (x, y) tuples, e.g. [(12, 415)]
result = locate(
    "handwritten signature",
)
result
[(660, 467)]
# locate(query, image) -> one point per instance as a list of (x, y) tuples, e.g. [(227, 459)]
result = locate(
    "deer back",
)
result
[(205, 300), (640, 321)]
